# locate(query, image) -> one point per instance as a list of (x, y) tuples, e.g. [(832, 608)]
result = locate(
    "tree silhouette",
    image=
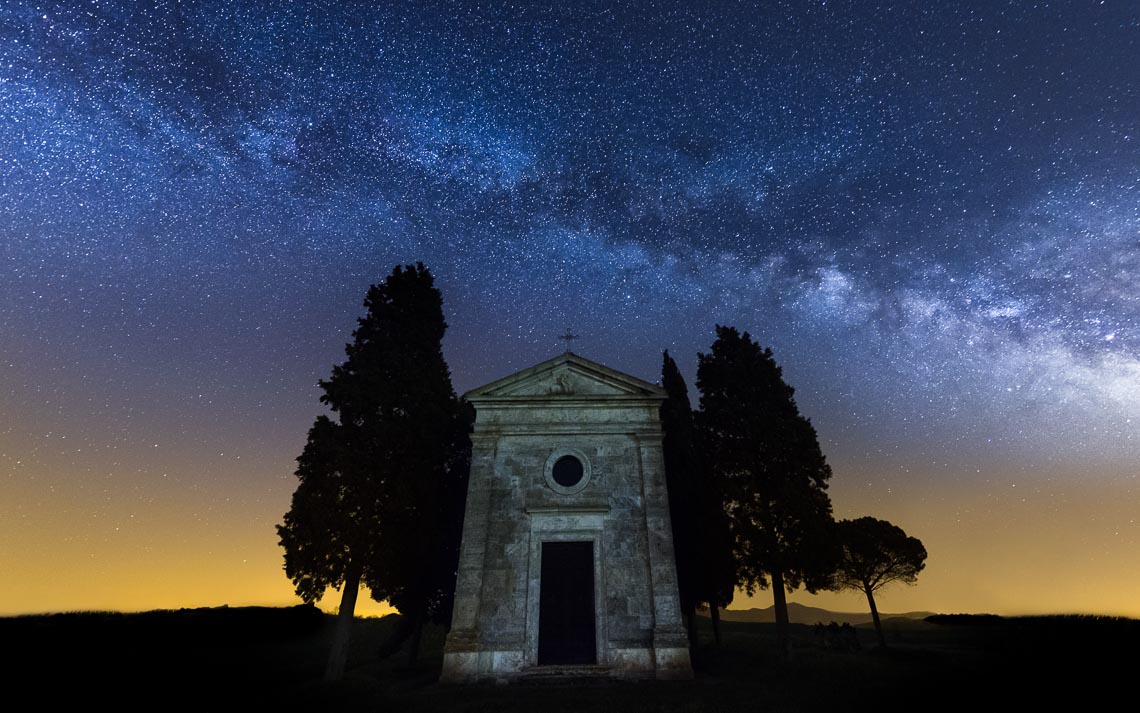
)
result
[(766, 459), (702, 542), (379, 486), (875, 554)]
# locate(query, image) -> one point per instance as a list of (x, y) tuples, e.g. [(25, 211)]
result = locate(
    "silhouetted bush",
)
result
[(836, 637), (965, 619)]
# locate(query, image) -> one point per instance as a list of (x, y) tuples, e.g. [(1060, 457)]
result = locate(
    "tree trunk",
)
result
[(875, 617), (780, 600), (418, 622), (691, 615), (338, 654), (714, 611)]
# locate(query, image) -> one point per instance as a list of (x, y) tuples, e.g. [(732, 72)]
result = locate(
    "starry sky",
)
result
[(930, 211)]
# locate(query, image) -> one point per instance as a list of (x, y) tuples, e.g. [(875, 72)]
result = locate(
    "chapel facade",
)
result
[(567, 558)]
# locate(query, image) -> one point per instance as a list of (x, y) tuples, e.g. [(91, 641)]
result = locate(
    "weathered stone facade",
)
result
[(566, 451)]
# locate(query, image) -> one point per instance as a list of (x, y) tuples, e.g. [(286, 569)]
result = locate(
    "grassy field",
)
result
[(272, 659)]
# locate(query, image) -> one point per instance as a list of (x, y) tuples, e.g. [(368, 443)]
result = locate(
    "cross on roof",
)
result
[(568, 337)]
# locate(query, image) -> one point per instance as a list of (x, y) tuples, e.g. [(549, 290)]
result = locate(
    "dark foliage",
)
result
[(766, 459), (835, 637), (965, 619), (329, 531)]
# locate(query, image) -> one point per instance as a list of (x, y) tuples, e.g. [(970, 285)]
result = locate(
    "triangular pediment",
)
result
[(566, 376)]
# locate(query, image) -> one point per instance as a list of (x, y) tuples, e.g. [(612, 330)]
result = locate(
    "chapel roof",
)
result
[(567, 375)]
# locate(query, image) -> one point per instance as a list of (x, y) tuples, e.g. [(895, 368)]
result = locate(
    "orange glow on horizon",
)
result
[(1043, 549)]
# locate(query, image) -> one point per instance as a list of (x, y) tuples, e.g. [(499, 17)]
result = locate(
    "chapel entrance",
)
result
[(566, 604)]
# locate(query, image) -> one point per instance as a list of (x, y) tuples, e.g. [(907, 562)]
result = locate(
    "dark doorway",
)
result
[(566, 604)]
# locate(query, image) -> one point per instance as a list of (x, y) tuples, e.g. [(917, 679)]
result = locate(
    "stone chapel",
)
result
[(567, 558)]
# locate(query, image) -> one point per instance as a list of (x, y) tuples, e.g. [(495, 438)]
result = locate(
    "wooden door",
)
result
[(566, 624)]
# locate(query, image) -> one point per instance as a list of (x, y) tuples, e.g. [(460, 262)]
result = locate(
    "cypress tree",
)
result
[(381, 485), (702, 542), (681, 477)]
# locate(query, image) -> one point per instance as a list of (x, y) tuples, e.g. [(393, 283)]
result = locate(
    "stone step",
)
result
[(576, 673)]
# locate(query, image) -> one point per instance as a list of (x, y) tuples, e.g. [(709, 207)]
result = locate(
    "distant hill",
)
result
[(800, 614)]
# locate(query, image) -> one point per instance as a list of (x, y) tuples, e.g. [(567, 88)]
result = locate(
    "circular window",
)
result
[(567, 471)]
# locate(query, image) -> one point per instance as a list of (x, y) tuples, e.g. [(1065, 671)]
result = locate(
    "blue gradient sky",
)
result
[(930, 211)]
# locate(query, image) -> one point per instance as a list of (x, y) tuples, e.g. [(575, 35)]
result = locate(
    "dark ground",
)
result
[(272, 659)]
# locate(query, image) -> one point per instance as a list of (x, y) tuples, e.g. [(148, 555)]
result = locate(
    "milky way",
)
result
[(931, 211)]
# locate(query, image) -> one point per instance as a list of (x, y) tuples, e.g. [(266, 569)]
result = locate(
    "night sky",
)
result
[(930, 211)]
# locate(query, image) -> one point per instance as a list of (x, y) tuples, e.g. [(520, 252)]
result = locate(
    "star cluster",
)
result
[(931, 211)]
